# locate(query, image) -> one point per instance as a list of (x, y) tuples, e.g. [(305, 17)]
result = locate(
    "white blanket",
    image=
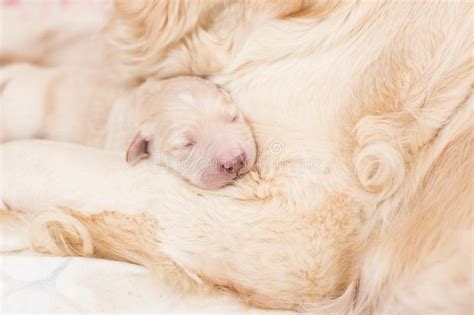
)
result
[(30, 282)]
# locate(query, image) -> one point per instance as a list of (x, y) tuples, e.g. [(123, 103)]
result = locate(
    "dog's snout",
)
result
[(233, 165)]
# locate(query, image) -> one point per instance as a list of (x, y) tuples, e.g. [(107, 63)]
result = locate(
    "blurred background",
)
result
[(51, 32)]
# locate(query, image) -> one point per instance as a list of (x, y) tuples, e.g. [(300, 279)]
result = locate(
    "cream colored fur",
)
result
[(362, 201)]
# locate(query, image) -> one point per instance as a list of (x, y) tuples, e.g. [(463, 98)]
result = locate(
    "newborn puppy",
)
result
[(191, 126), (186, 123)]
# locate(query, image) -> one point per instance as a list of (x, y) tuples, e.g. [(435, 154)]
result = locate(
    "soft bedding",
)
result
[(32, 283)]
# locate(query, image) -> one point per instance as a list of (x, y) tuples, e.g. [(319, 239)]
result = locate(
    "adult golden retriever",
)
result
[(361, 201)]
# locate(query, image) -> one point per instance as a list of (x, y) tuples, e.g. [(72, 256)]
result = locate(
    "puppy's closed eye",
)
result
[(189, 139), (234, 117), (186, 141)]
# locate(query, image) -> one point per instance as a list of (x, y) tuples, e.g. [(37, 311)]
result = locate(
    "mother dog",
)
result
[(361, 198)]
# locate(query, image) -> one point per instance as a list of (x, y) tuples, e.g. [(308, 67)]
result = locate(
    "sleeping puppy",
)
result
[(186, 123)]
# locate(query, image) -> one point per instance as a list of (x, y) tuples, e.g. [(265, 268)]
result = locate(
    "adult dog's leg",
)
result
[(267, 253)]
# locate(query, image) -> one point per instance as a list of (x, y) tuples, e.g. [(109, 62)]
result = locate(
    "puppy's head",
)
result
[(193, 128)]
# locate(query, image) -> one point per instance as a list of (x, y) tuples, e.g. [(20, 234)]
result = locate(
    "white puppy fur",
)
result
[(185, 123), (361, 198)]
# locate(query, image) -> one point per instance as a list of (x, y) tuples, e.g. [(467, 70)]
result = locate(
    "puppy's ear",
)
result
[(138, 148)]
